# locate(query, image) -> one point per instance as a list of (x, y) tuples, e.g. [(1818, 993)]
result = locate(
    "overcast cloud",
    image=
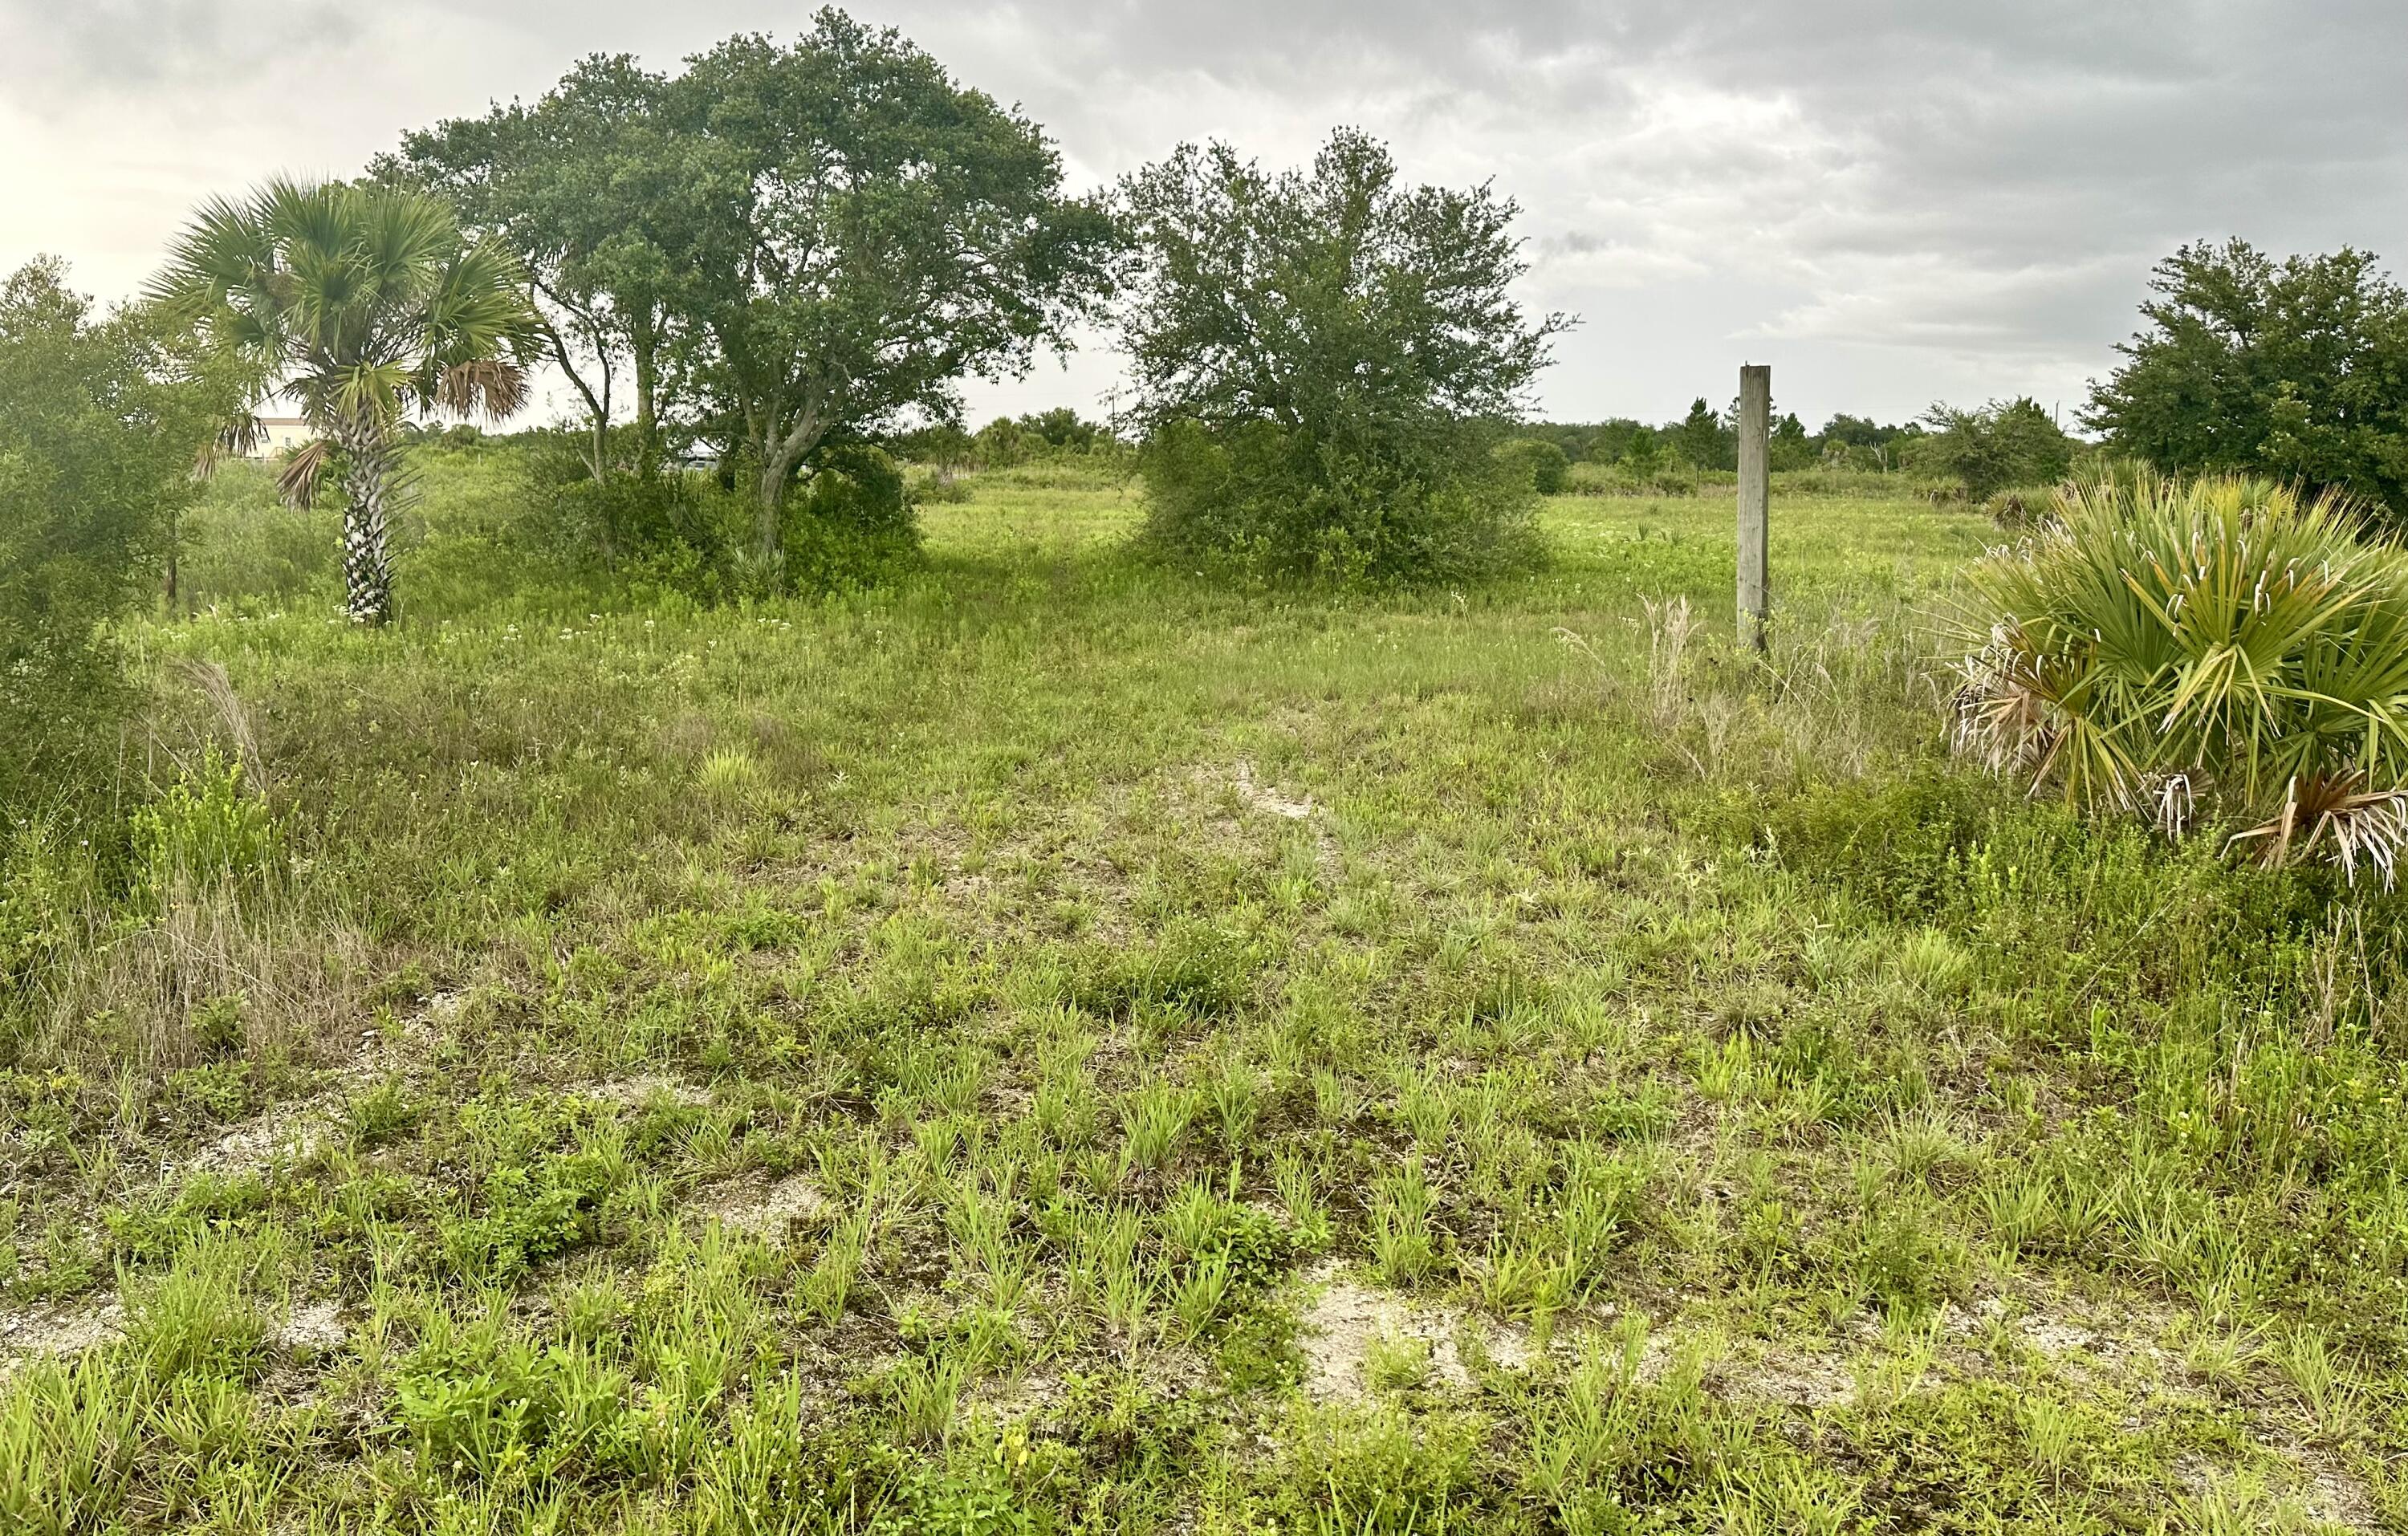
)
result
[(1890, 203)]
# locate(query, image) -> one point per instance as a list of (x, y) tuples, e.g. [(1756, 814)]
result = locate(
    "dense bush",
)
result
[(1542, 463), (1288, 503), (625, 516), (2004, 443), (685, 532), (1324, 361), (2160, 647), (96, 453), (852, 524)]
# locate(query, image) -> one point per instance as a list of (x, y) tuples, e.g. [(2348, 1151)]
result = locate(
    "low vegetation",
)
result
[(2159, 646), (1053, 1043)]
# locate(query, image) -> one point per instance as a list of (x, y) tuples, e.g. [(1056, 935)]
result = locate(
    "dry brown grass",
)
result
[(131, 998)]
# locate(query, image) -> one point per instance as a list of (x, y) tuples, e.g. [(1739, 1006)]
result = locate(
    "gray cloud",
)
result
[(80, 48), (1891, 201)]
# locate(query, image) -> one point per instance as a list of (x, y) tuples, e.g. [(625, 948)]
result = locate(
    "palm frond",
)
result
[(2228, 636), (496, 386), (2337, 815), (297, 483)]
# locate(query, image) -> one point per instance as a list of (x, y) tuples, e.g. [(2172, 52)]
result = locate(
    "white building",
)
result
[(278, 435)]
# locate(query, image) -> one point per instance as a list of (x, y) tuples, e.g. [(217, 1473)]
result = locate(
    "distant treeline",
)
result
[(1706, 440), (1702, 439)]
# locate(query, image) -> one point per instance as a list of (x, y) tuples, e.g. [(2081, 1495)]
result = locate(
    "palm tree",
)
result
[(364, 304)]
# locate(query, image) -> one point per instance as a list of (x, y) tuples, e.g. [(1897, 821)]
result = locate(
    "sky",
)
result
[(1890, 203)]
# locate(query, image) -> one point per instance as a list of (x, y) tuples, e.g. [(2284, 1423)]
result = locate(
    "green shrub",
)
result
[(1287, 505), (96, 449), (2290, 367), (1544, 464), (1323, 361), (2004, 443), (2019, 508), (49, 882), (685, 533), (2159, 645), (1649, 477), (208, 825)]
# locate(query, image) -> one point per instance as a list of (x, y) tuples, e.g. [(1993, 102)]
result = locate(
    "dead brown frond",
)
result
[(297, 483), (494, 385), (2340, 818), (239, 438), (2007, 712)]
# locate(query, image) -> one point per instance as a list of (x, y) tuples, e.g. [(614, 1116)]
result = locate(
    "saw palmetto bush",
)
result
[(2221, 648)]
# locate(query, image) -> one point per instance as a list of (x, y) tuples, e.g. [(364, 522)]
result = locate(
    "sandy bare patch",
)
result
[(55, 1332), (316, 1327), (2084, 1337), (295, 1131), (1263, 797), (628, 1093), (768, 1211), (2310, 1481), (1797, 1378), (298, 1128), (1348, 1321), (1030, 1395)]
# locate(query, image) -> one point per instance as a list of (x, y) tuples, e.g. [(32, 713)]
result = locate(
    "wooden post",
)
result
[(1754, 499)]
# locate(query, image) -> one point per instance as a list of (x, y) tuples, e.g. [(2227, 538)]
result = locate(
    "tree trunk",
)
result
[(645, 345), (367, 488), (782, 455), (773, 512)]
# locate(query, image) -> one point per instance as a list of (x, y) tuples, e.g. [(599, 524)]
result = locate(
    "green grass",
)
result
[(1059, 1045)]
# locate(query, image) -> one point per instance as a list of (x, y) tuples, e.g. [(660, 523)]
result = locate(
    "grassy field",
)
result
[(1060, 1044)]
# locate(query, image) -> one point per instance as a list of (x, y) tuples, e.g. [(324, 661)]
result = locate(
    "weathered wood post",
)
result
[(1754, 499)]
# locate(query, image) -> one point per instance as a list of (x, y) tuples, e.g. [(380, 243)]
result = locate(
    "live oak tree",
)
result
[(364, 304), (1324, 359), (860, 233), (2297, 368), (586, 189)]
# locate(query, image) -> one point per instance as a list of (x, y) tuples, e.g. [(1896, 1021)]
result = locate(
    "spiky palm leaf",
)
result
[(2227, 634), (364, 305)]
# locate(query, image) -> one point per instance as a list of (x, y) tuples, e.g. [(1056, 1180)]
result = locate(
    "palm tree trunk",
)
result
[(368, 490)]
